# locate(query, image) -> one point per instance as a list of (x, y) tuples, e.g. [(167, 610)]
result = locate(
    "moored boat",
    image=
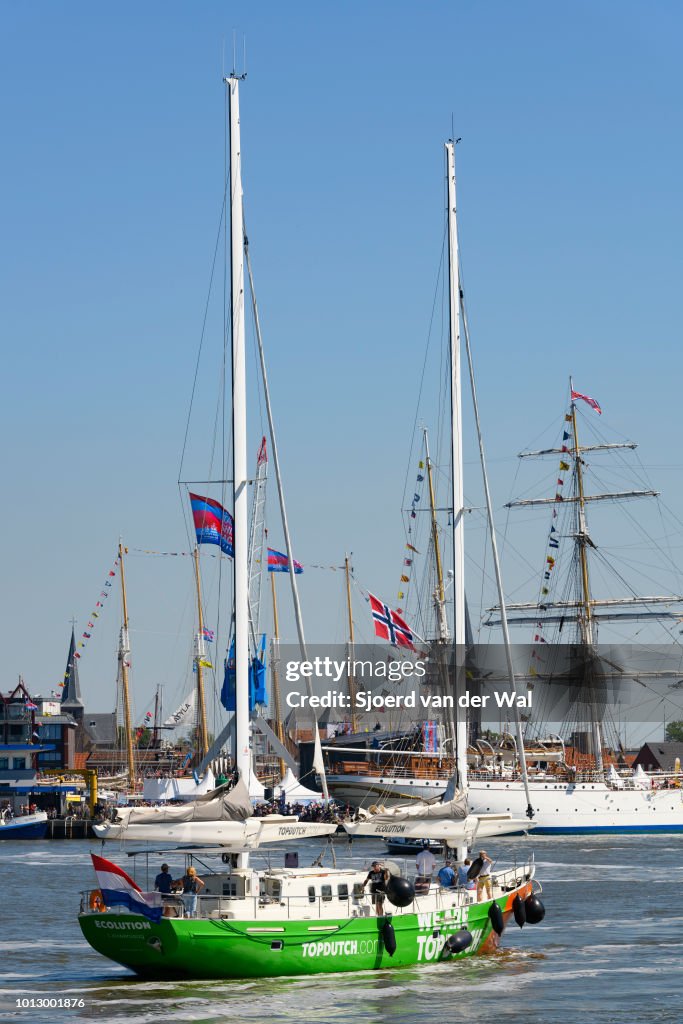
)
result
[(28, 826)]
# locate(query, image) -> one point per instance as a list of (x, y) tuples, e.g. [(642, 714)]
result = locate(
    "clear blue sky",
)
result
[(569, 177)]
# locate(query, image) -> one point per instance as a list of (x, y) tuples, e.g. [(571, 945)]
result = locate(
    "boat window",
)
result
[(326, 892), (277, 945), (4, 764), (19, 763), (311, 894), (343, 891)]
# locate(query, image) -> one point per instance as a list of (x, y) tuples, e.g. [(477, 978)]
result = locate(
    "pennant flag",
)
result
[(87, 635), (560, 482), (407, 561), (277, 562), (532, 672), (204, 663), (416, 497), (564, 449), (553, 543), (550, 560), (213, 525), (413, 514), (118, 889), (568, 417), (421, 464), (411, 548), (389, 624), (405, 579), (589, 401), (558, 497), (401, 595), (430, 737), (111, 573), (209, 635), (420, 478), (566, 435), (545, 590), (564, 466)]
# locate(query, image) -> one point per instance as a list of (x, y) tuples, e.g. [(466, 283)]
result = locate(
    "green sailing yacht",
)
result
[(281, 921)]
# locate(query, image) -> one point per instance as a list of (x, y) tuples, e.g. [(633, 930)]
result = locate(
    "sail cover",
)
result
[(220, 805)]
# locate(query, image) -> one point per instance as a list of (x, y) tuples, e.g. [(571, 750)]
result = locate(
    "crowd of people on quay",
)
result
[(315, 811)]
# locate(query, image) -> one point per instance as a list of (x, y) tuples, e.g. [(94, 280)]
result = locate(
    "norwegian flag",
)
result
[(591, 401), (389, 624)]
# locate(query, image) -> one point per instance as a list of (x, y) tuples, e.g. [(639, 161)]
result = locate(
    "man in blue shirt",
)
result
[(446, 876), (163, 882), (462, 875)]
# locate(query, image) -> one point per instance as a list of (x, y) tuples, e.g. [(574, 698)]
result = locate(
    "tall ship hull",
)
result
[(564, 808), (560, 807)]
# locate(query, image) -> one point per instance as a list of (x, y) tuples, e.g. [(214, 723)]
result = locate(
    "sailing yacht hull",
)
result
[(227, 948)]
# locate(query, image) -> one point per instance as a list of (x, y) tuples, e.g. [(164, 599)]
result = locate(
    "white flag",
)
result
[(183, 712)]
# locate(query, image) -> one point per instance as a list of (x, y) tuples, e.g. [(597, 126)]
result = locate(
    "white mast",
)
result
[(239, 441), (456, 460)]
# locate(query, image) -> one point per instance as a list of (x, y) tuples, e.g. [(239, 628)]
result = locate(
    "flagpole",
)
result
[(202, 731), (275, 655), (351, 679), (124, 652)]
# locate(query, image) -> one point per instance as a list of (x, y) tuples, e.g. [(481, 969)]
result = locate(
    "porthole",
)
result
[(277, 945)]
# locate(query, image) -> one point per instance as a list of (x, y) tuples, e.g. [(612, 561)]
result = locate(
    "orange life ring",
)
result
[(96, 900)]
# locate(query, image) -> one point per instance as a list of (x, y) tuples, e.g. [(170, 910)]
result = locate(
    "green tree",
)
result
[(674, 732)]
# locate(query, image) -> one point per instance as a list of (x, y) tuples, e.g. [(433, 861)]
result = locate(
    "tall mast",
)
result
[(274, 662), (239, 440), (202, 731), (583, 540), (440, 593), (124, 654), (351, 679), (256, 547), (456, 462)]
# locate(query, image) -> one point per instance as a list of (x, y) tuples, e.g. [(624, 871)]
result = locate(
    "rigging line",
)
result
[(422, 375), (628, 586), (203, 332)]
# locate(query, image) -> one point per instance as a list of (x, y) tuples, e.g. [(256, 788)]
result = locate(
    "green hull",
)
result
[(196, 948)]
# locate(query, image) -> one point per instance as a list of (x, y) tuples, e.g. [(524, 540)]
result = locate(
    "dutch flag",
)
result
[(119, 889)]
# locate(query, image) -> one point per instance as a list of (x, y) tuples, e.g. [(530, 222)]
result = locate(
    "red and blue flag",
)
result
[(213, 524), (119, 889), (389, 624), (278, 562)]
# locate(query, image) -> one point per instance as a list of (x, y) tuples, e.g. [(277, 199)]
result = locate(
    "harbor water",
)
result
[(609, 951)]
